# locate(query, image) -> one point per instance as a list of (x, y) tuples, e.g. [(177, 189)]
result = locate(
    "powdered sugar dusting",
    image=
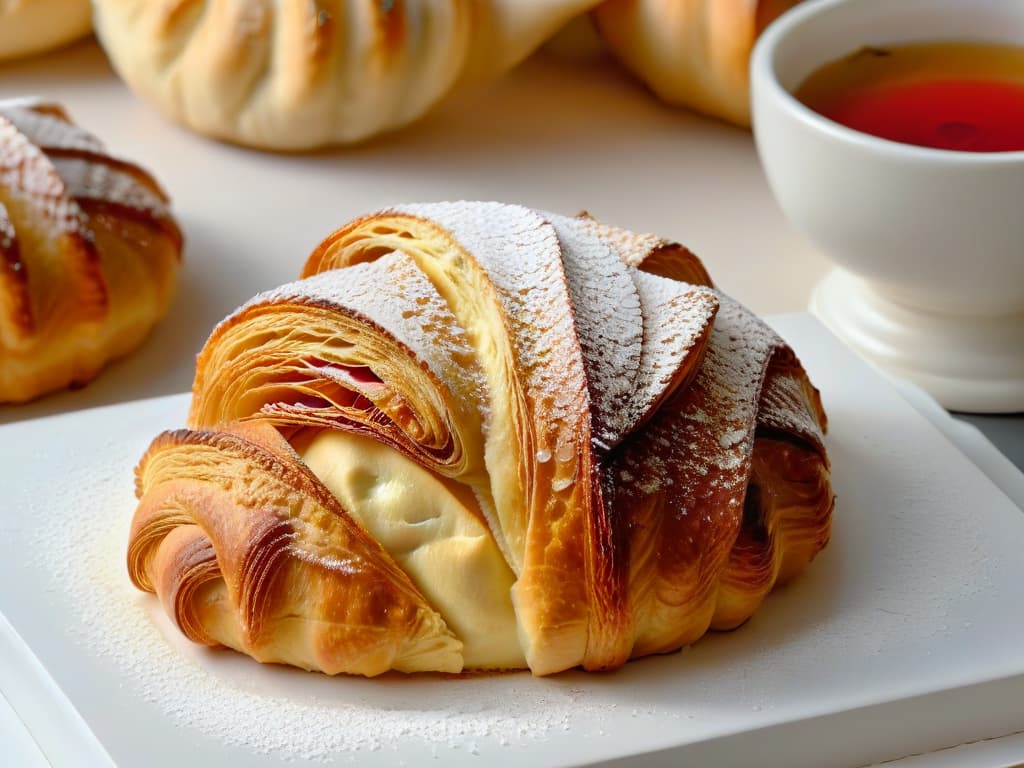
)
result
[(47, 130), (708, 430), (695, 454), (27, 174), (784, 403), (722, 412), (521, 256), (8, 237), (609, 323), (675, 317), (651, 253), (87, 179), (520, 253), (696, 449), (633, 247), (394, 294), (55, 164)]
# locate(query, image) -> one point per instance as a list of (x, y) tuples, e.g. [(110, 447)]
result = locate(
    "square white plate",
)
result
[(904, 636)]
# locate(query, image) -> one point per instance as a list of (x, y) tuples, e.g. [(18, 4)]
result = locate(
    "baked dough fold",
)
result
[(289, 75), (253, 553)]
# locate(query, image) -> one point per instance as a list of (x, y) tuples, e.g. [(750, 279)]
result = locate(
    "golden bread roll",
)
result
[(283, 75), (568, 454), (34, 26), (694, 53), (89, 253)]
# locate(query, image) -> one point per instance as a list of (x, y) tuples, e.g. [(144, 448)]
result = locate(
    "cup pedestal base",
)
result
[(968, 363)]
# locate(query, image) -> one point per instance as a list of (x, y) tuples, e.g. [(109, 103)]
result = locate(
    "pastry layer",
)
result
[(251, 551)]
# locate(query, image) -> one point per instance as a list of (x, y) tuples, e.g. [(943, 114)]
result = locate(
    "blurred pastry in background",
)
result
[(89, 252), (34, 26), (694, 53), (578, 41), (295, 76)]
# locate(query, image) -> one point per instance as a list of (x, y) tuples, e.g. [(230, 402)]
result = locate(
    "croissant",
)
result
[(34, 26), (476, 436), (284, 75), (693, 53), (89, 252)]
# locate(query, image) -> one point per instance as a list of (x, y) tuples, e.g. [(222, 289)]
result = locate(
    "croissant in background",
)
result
[(277, 74), (33, 26), (89, 252), (475, 437), (694, 53), (295, 76)]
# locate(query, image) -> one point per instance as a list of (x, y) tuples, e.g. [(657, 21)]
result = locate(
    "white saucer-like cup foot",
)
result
[(966, 362)]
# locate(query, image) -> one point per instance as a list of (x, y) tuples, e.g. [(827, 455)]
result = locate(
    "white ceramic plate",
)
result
[(903, 637)]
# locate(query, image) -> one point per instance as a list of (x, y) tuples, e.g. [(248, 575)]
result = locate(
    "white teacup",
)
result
[(929, 243)]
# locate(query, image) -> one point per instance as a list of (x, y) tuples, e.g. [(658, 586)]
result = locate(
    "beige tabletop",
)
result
[(556, 134)]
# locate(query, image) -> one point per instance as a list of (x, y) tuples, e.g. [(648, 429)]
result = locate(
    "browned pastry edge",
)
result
[(252, 519), (163, 222), (788, 506)]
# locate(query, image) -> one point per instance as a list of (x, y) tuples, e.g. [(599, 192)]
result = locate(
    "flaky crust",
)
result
[(646, 455), (33, 26), (253, 553), (278, 74), (694, 53), (89, 253)]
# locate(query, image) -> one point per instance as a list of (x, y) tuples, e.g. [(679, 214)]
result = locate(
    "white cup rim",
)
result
[(763, 73)]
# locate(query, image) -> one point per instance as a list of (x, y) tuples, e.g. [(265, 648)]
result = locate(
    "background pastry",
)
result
[(542, 448), (694, 53), (89, 252), (34, 26), (285, 75)]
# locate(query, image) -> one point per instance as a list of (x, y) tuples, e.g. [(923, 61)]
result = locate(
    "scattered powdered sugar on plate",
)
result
[(264, 708)]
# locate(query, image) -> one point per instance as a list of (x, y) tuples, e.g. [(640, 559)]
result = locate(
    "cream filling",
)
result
[(434, 530)]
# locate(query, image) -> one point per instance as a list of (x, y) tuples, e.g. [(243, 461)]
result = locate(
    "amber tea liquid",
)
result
[(960, 96)]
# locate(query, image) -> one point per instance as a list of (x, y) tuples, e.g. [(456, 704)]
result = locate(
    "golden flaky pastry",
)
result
[(34, 26), (694, 53), (477, 436), (288, 75), (89, 253)]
